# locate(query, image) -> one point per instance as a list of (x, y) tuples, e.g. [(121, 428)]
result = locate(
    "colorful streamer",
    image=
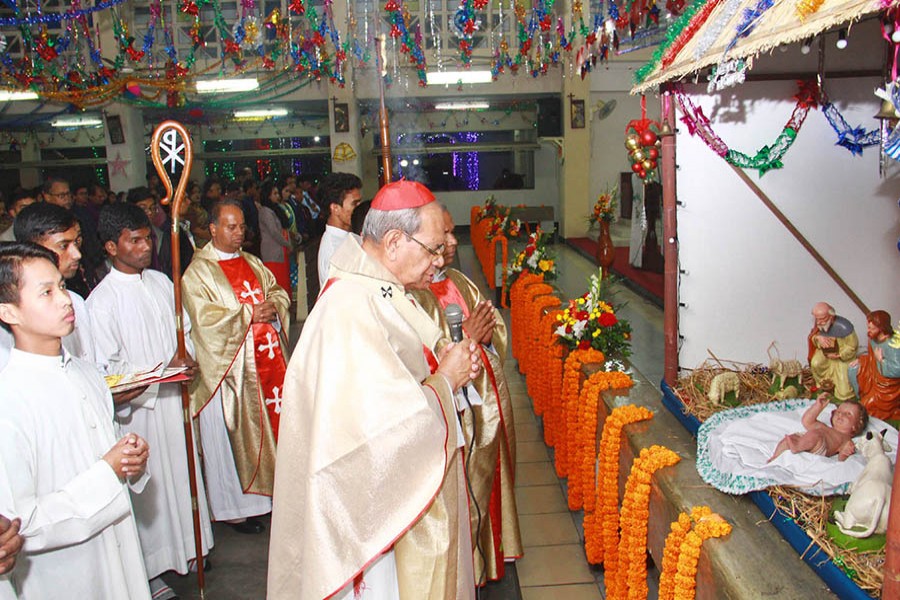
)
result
[(766, 158)]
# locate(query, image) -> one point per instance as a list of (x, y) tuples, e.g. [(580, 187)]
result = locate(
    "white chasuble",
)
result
[(369, 489)]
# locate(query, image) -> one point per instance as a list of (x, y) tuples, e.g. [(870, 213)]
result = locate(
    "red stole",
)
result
[(269, 360), (447, 293)]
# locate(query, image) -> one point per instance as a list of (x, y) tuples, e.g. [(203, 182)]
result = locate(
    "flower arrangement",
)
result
[(500, 223), (604, 208), (630, 577), (591, 322), (535, 258), (601, 538)]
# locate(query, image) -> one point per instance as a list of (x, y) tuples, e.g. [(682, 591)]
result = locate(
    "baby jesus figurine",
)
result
[(847, 421)]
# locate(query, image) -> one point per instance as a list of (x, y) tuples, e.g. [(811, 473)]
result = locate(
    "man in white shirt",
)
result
[(339, 194), (134, 330), (62, 470)]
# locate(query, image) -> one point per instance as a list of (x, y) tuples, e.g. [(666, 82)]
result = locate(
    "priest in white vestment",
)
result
[(134, 330), (370, 497), (62, 467)]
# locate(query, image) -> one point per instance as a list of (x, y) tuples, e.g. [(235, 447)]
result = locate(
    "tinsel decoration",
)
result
[(713, 30), (749, 20), (766, 158), (805, 8), (677, 35), (853, 139)]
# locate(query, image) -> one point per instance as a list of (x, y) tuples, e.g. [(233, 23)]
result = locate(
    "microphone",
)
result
[(454, 320)]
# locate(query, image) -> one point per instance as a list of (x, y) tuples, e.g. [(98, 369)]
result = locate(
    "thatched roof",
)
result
[(781, 24)]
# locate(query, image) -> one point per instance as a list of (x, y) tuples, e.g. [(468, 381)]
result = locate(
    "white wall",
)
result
[(749, 282)]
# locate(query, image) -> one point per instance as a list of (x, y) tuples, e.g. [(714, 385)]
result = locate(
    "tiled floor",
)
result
[(554, 566)]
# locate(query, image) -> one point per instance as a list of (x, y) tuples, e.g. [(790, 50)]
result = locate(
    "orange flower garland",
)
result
[(546, 352), (517, 306), (583, 458), (709, 526), (672, 548), (630, 577), (564, 408), (601, 538), (533, 338)]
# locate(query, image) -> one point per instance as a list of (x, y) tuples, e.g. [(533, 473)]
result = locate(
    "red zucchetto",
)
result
[(402, 194)]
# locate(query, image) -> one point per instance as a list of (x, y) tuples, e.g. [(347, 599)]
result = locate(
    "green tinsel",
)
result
[(672, 33), (767, 157)]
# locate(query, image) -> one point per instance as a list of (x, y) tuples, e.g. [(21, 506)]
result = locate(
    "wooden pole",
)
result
[(167, 135), (670, 242), (801, 238), (386, 168)]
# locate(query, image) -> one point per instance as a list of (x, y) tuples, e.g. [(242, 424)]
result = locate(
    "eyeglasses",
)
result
[(437, 251), (60, 194)]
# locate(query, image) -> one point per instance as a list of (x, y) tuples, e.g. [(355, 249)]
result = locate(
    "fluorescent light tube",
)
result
[(13, 96), (461, 106), (77, 121), (454, 77), (215, 86), (260, 113)]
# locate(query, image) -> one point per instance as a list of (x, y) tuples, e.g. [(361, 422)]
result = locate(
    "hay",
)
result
[(691, 390), (811, 513)]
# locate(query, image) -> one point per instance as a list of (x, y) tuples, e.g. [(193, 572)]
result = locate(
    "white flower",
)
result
[(561, 331), (578, 328)]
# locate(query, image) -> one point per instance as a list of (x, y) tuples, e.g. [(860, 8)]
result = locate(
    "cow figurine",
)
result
[(870, 494)]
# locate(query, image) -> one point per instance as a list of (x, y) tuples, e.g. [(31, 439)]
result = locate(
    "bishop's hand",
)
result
[(264, 312), (459, 363)]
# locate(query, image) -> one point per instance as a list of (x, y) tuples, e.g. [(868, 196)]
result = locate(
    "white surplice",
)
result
[(56, 423), (79, 343), (134, 330)]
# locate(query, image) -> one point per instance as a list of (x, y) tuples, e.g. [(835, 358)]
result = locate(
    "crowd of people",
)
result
[(382, 444)]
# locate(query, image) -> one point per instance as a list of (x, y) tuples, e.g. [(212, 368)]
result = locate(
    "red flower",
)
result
[(529, 250), (584, 345), (607, 320), (582, 315)]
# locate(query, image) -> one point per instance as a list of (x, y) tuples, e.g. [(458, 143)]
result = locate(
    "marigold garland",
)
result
[(581, 480), (672, 548), (548, 361), (601, 537), (710, 526), (629, 574), (556, 420), (516, 302)]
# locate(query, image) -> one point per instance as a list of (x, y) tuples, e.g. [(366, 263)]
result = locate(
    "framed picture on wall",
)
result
[(341, 118), (114, 127), (577, 108)]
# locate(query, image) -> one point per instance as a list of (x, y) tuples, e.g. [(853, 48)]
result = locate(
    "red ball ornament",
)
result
[(653, 153), (637, 168), (652, 164), (648, 138), (642, 174)]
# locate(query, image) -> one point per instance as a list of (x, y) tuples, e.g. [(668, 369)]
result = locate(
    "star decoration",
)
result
[(118, 166)]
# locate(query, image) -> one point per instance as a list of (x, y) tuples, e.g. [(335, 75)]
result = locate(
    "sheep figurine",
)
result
[(721, 384)]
